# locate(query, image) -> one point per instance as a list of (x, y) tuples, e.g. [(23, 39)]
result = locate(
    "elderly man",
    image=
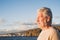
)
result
[(44, 21)]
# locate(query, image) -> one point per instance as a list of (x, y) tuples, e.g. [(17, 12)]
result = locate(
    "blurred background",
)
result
[(20, 15)]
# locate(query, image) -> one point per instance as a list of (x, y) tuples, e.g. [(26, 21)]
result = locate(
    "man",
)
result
[(44, 21)]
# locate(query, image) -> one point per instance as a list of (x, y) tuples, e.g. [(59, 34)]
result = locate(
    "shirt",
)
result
[(48, 34)]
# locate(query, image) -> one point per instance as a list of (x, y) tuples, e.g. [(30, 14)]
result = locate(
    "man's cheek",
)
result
[(38, 19)]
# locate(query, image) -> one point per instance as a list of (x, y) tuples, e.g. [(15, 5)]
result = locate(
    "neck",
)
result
[(45, 27)]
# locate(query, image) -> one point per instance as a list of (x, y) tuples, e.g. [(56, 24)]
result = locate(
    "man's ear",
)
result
[(48, 18)]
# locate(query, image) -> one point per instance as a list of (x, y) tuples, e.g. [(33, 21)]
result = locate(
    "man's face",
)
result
[(41, 19)]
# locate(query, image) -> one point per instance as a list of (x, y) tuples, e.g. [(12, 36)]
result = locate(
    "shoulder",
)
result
[(52, 30), (54, 34)]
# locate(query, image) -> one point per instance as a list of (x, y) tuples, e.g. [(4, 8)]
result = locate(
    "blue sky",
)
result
[(18, 11)]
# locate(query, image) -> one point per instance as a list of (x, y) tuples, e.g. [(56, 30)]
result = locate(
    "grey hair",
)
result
[(48, 11)]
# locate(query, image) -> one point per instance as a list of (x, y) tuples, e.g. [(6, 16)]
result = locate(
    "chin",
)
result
[(39, 27)]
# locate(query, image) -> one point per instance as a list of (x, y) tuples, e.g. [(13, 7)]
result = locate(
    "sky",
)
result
[(13, 13)]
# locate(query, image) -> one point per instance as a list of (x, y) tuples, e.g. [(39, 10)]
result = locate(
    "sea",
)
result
[(19, 38)]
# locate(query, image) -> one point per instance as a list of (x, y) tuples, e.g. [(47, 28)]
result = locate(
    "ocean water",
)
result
[(19, 38)]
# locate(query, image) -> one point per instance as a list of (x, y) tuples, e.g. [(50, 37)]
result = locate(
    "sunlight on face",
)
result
[(41, 19)]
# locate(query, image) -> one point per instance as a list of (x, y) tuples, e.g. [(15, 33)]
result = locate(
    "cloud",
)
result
[(57, 17), (2, 21), (18, 26), (24, 26), (21, 26)]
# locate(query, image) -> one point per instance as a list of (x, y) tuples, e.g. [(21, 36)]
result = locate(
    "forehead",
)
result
[(42, 13)]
